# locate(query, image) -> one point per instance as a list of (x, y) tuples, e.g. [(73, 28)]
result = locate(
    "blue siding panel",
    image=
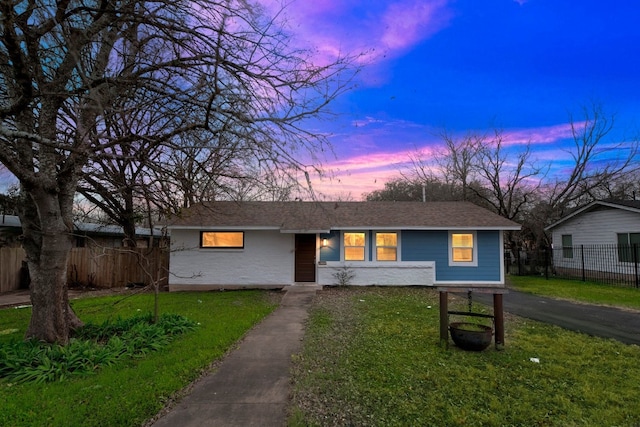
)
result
[(371, 244), (417, 245), (332, 251), (434, 246), (424, 246)]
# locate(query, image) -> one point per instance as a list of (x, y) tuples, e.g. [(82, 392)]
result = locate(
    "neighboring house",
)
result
[(96, 259), (274, 244), (600, 236), (85, 234)]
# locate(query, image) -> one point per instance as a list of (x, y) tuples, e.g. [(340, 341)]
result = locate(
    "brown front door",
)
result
[(305, 258)]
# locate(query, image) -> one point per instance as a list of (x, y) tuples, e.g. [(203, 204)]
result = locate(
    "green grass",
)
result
[(135, 390), (371, 358), (588, 292)]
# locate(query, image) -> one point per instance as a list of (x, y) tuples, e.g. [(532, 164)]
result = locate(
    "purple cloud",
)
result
[(374, 28), (408, 23)]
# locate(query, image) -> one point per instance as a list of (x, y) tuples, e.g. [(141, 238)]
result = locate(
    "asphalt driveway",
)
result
[(601, 321)]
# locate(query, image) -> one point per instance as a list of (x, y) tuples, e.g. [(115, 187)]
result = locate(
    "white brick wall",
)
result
[(267, 259), (381, 274)]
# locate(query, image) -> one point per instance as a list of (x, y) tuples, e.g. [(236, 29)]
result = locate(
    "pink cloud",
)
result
[(352, 185), (408, 23), (369, 168), (374, 29), (540, 135)]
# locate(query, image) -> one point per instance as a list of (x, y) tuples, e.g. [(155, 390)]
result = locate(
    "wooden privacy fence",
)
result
[(95, 267)]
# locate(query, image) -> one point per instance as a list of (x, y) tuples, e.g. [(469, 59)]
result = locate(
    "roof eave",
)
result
[(588, 208), (346, 227)]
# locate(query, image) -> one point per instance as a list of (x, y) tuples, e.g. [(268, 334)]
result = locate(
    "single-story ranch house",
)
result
[(274, 244)]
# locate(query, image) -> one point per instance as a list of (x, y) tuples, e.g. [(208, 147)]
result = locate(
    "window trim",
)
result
[(474, 249), (202, 246), (375, 245), (626, 250), (344, 246), (567, 250)]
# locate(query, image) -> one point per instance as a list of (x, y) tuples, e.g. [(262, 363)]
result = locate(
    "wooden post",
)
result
[(444, 319), (498, 317)]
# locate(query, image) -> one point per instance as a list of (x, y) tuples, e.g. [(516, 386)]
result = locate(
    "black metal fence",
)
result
[(611, 264)]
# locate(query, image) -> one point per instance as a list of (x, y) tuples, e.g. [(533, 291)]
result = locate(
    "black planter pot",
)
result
[(470, 336)]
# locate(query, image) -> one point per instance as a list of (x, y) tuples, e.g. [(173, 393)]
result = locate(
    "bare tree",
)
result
[(89, 85), (625, 187), (452, 165), (458, 159), (597, 163), (510, 179)]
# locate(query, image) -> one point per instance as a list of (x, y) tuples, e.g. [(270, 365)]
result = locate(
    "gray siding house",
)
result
[(611, 225)]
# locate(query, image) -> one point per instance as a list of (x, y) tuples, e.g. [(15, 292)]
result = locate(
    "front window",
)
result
[(629, 247), (567, 246), (462, 247), (222, 239), (387, 246), (354, 246)]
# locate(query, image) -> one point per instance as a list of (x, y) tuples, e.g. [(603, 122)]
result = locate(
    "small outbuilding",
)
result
[(275, 244)]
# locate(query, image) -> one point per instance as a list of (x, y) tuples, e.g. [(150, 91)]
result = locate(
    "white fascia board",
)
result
[(479, 283), (588, 208), (571, 215), (318, 231), (400, 227), (221, 228), (336, 228)]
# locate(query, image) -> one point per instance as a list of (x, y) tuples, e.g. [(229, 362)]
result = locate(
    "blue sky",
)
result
[(469, 66), (466, 66)]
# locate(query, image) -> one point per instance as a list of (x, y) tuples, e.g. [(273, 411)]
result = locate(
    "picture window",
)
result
[(222, 239)]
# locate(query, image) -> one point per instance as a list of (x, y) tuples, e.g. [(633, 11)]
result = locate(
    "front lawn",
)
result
[(134, 390), (589, 292), (371, 358)]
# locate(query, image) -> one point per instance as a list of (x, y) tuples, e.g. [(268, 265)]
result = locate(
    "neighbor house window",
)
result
[(567, 246), (629, 247), (462, 249), (222, 239), (354, 246), (387, 246)]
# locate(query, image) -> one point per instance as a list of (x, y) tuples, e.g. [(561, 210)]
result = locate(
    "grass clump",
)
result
[(93, 347), (133, 390), (371, 358)]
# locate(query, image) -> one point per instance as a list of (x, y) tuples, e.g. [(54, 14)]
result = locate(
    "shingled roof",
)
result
[(325, 216)]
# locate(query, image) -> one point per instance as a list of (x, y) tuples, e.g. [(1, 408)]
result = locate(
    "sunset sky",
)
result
[(464, 66), (468, 66)]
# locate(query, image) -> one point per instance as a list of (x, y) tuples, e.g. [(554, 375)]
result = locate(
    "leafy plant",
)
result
[(344, 276), (93, 347)]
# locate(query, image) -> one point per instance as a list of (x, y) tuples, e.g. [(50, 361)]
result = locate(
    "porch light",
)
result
[(325, 243)]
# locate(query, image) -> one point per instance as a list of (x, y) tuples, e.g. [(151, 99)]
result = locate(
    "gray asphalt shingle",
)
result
[(323, 216)]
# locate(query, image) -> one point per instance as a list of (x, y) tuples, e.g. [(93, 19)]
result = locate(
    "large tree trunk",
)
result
[(47, 243)]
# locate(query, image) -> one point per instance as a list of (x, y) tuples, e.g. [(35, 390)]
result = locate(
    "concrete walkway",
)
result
[(251, 387)]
